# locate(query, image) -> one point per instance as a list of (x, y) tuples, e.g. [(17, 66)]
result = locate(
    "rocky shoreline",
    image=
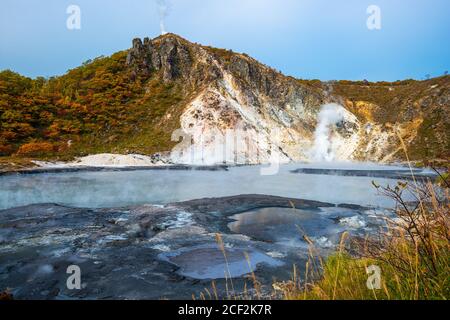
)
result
[(399, 174), (147, 252), (111, 169)]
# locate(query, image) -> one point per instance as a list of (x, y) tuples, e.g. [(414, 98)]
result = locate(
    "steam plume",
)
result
[(163, 10), (329, 115)]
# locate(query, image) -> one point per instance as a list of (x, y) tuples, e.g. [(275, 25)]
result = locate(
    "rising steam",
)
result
[(163, 10), (329, 115)]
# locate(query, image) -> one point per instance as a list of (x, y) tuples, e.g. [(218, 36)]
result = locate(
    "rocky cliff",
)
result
[(243, 111), (200, 104)]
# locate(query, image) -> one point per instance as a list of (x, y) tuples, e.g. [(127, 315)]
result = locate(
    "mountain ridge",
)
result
[(135, 99)]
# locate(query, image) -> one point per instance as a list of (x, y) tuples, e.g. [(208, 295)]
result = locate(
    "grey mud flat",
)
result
[(141, 252)]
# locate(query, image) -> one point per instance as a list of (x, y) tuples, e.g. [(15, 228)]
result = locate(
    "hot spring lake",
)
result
[(99, 189), (151, 233)]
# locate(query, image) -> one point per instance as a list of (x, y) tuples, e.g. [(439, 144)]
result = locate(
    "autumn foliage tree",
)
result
[(86, 101), (35, 149)]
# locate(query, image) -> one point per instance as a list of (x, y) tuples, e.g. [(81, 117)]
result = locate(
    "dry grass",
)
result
[(15, 163), (412, 253)]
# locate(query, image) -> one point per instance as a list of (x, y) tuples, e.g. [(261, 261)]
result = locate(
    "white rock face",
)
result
[(221, 125), (232, 121), (243, 112), (224, 131)]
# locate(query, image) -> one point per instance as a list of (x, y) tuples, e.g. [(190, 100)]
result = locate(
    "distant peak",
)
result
[(170, 36)]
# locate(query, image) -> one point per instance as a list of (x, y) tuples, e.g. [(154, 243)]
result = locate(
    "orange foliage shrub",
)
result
[(5, 150), (35, 148)]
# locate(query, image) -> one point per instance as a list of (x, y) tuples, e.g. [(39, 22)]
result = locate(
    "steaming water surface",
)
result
[(123, 188), (131, 264)]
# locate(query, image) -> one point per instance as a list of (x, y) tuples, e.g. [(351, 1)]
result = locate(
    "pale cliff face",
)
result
[(241, 111)]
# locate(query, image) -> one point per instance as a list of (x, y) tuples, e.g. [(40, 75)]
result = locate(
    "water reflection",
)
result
[(285, 226)]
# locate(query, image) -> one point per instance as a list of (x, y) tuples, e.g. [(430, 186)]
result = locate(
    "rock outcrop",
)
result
[(171, 56), (241, 111), (278, 115)]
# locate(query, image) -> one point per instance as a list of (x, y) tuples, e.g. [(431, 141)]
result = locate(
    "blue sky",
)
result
[(322, 39)]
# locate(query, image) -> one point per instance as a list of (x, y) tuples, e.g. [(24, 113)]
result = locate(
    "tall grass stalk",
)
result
[(411, 249)]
